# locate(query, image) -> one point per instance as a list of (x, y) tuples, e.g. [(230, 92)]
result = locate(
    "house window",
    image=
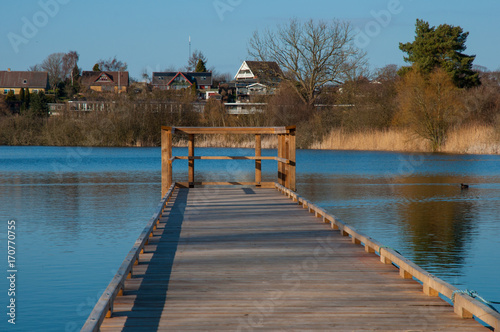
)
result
[(103, 78), (25, 82), (5, 91), (160, 78), (35, 91)]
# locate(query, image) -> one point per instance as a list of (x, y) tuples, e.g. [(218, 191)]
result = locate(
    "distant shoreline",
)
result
[(469, 139)]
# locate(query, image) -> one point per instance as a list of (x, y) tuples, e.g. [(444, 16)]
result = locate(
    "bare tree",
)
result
[(312, 53), (194, 59), (429, 105), (112, 64), (388, 73), (146, 78), (35, 68), (53, 64), (70, 61)]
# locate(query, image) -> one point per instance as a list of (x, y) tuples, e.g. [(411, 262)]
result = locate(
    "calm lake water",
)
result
[(79, 210)]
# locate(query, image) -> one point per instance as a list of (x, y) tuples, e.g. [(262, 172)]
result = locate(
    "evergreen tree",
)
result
[(22, 95), (441, 47), (27, 99), (194, 89), (39, 107), (200, 67), (22, 98), (96, 67), (10, 96)]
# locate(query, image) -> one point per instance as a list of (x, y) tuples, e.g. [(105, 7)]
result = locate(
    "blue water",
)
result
[(79, 210)]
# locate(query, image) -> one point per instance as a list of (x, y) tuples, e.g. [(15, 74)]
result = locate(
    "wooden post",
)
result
[(283, 155), (166, 163), (292, 161), (191, 161), (287, 165), (280, 155), (258, 163)]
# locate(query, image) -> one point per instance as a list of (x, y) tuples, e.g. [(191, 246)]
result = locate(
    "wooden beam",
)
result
[(166, 163), (229, 158), (235, 183), (258, 162), (231, 130), (191, 160), (287, 165), (292, 158), (283, 155)]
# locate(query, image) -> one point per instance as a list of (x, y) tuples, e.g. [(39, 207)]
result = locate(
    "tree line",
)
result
[(325, 84)]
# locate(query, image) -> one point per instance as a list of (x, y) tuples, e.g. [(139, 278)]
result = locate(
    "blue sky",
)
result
[(153, 35)]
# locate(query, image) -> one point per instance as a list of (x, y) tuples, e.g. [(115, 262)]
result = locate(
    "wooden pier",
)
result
[(247, 258)]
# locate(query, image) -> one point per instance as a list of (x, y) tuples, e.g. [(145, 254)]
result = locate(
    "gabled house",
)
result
[(181, 80), (112, 81), (34, 81), (256, 78), (263, 72)]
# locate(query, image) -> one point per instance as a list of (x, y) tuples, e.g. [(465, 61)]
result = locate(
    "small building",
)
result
[(34, 81), (106, 81), (181, 80), (256, 78), (264, 72)]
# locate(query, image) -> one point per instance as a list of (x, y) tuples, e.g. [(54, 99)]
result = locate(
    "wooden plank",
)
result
[(221, 183), (226, 158), (239, 259), (230, 130)]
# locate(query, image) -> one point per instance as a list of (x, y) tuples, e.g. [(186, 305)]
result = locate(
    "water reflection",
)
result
[(439, 221), (77, 225)]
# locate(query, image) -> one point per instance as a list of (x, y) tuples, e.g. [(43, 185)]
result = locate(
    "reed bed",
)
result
[(229, 141), (470, 139)]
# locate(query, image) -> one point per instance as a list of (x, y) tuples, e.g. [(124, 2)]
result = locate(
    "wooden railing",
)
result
[(464, 305), (104, 307), (285, 157)]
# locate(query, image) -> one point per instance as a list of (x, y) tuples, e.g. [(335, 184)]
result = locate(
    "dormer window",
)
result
[(25, 81)]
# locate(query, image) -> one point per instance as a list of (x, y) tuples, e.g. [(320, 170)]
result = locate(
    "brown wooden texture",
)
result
[(285, 157), (258, 163), (247, 259), (231, 130), (166, 162), (191, 161)]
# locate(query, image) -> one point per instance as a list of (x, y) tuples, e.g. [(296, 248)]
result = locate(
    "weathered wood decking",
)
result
[(251, 259)]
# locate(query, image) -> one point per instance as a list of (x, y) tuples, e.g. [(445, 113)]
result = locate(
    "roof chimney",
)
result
[(8, 69)]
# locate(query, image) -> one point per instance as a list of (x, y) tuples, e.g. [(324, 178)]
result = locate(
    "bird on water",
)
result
[(464, 186)]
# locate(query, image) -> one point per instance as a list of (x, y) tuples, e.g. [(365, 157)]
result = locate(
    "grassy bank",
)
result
[(470, 139)]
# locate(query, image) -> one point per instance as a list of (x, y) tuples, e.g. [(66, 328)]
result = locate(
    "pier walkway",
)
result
[(245, 258)]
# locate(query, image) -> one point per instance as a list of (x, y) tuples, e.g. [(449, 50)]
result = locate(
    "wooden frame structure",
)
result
[(285, 157)]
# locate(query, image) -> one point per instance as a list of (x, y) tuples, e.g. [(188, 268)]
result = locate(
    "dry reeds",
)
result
[(375, 140), (470, 139), (229, 141), (473, 139)]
